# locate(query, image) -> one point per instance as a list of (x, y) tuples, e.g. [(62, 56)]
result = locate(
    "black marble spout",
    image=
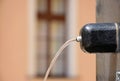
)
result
[(100, 37)]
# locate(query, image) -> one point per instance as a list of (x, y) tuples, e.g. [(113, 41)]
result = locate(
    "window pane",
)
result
[(42, 47), (42, 6), (57, 7), (57, 38), (57, 29), (42, 57), (58, 68), (42, 29)]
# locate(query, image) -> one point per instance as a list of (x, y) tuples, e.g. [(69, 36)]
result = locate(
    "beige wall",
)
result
[(87, 62), (13, 40)]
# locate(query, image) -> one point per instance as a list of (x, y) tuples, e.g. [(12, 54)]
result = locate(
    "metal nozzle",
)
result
[(78, 39)]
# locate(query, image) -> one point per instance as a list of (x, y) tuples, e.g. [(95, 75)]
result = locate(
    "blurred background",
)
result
[(32, 31)]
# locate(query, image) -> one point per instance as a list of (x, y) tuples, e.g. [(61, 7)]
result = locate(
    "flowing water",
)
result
[(57, 55)]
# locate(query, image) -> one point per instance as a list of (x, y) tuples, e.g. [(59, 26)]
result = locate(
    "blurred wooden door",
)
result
[(107, 64)]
